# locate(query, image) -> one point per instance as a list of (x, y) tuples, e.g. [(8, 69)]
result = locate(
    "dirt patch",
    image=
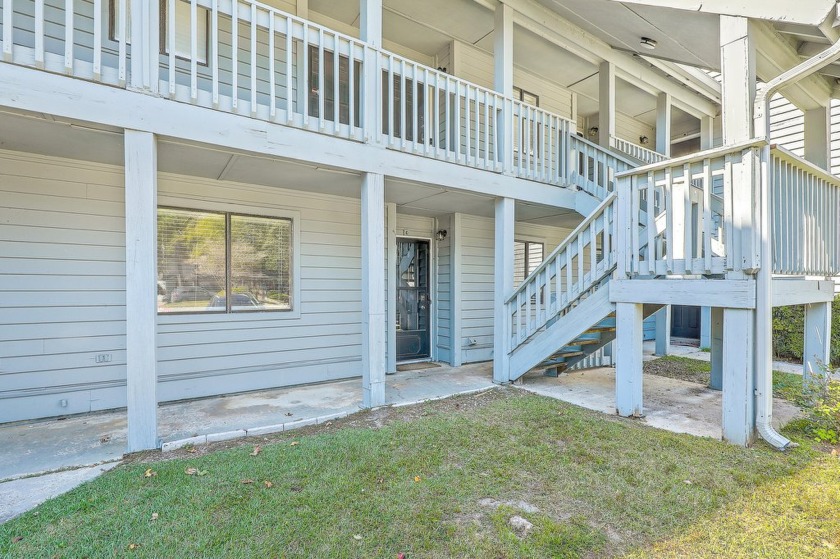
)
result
[(689, 370)]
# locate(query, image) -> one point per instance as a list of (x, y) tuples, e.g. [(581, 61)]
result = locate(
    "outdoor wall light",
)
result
[(644, 140), (441, 235), (648, 43), (593, 131)]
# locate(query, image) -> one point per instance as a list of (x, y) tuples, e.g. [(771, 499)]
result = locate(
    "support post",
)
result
[(663, 124), (455, 286), (705, 327), (141, 288), (663, 330), (716, 347), (606, 103), (391, 322), (503, 286), (503, 81), (370, 31), (739, 349), (818, 136), (302, 8), (817, 350), (628, 359), (707, 133), (737, 54), (370, 22), (373, 290)]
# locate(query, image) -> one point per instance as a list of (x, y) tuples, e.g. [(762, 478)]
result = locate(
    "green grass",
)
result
[(604, 487)]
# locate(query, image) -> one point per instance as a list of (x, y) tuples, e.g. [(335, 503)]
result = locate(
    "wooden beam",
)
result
[(788, 292), (663, 124), (737, 53), (738, 376), (716, 348), (738, 294), (502, 287), (141, 288), (606, 104), (373, 291), (628, 364)]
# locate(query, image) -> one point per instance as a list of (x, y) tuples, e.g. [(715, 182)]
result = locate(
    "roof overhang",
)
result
[(803, 12)]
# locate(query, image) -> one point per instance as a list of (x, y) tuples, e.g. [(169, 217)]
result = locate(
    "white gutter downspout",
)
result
[(764, 278)]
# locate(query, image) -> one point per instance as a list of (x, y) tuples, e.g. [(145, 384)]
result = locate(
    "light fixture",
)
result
[(593, 131), (644, 140), (441, 235), (648, 43)]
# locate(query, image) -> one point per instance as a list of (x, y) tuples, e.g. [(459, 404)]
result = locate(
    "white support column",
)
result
[(391, 274), (818, 136), (503, 287), (663, 330), (141, 288), (705, 327), (145, 44), (455, 286), (817, 350), (737, 52), (707, 133), (370, 22), (716, 347), (373, 290), (628, 359), (663, 124), (606, 103), (503, 81), (738, 380)]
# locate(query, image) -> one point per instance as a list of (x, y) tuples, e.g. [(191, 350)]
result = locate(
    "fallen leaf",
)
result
[(687, 482), (400, 555), (16, 539), (133, 546), (416, 478), (256, 450), (201, 473), (380, 480), (268, 484), (247, 481), (295, 443), (357, 537), (834, 452), (191, 471), (289, 414), (155, 516), (149, 473), (191, 448), (105, 439), (329, 423)]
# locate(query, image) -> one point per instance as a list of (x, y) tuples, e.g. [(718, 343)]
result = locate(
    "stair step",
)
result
[(570, 353), (588, 338), (608, 322)]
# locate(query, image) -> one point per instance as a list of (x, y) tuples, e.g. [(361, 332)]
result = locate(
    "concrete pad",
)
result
[(670, 404), (21, 495)]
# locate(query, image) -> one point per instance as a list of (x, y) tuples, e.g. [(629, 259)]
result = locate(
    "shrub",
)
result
[(824, 414), (789, 328)]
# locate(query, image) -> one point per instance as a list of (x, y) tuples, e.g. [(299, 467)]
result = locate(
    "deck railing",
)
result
[(573, 269), (805, 203), (247, 58), (690, 216), (642, 154)]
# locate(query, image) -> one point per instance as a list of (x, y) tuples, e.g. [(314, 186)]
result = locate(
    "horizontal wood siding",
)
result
[(261, 350), (477, 279), (62, 286), (787, 125)]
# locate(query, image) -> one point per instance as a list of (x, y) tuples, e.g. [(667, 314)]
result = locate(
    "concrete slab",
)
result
[(18, 496), (670, 404)]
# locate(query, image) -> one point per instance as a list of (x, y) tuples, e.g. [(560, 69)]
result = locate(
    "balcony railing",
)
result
[(642, 154), (247, 58)]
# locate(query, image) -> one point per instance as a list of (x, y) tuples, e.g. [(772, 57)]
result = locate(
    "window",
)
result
[(182, 28), (329, 86), (203, 256), (527, 257), (526, 96), (525, 136)]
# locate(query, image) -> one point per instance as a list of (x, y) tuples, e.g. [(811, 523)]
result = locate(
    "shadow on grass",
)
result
[(441, 479)]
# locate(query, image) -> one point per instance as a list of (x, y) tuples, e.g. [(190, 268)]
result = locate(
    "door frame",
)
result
[(433, 314)]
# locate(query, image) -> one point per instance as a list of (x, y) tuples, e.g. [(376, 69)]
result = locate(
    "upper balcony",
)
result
[(251, 59)]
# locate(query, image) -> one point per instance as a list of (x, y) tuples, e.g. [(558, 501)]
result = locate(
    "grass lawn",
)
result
[(443, 479)]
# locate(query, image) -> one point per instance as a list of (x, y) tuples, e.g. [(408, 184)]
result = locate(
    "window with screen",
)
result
[(204, 256), (328, 89)]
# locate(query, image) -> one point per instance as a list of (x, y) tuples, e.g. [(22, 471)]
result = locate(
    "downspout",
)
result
[(764, 278)]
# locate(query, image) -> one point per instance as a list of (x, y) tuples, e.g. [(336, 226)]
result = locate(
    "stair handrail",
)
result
[(645, 156), (538, 284)]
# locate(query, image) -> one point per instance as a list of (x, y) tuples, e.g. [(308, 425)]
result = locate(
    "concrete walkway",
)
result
[(693, 352), (92, 443)]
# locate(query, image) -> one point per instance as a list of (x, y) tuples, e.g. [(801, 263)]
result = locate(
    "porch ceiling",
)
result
[(44, 135)]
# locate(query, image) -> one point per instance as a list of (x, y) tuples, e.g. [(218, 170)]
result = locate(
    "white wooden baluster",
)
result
[(68, 36), (336, 83), (194, 48), (253, 60), (214, 47), (170, 40), (403, 106), (650, 224), (477, 148), (688, 238), (467, 124), (427, 120), (97, 39), (707, 215), (447, 132), (8, 28), (457, 125), (528, 323), (351, 63), (305, 94), (487, 159), (272, 82), (290, 72), (322, 82), (39, 33), (415, 108), (436, 123)]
